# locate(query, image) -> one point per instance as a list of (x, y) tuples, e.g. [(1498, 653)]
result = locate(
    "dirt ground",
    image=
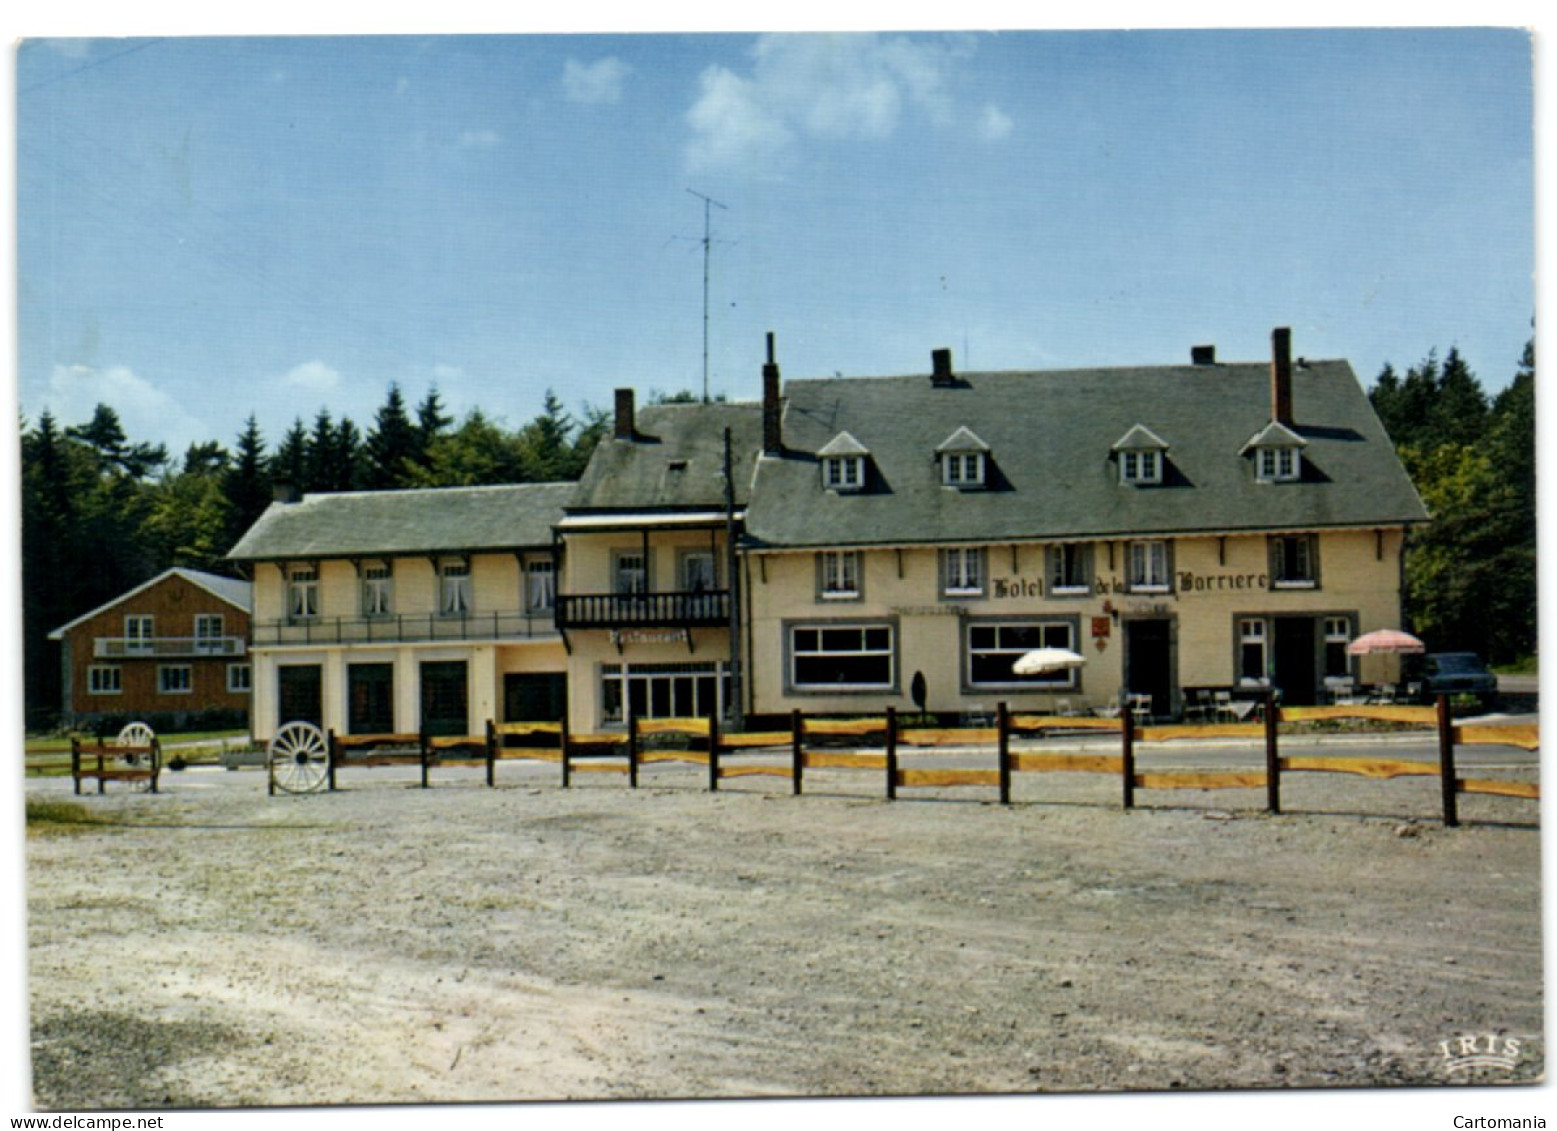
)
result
[(215, 947)]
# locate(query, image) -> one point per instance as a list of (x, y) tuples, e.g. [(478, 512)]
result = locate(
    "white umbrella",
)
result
[(1042, 660), (1387, 640)]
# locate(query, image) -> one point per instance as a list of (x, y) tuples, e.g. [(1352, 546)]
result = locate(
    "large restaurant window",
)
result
[(842, 658), (663, 691), (992, 649)]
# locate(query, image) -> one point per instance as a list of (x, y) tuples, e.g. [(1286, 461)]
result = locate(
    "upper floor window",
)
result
[(454, 597), (843, 463), (631, 569), (838, 574), (1294, 561), (540, 585), (377, 591), (1070, 569), (1142, 454), (1277, 465), (699, 571), (208, 632), (1278, 453), (962, 571), (963, 459), (303, 593), (1149, 570), (138, 631)]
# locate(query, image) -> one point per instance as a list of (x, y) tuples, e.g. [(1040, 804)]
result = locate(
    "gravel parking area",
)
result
[(213, 947)]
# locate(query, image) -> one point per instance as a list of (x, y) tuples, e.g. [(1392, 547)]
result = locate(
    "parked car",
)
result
[(1453, 673)]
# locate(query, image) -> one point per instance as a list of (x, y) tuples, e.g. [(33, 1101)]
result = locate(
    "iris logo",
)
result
[(1481, 1050)]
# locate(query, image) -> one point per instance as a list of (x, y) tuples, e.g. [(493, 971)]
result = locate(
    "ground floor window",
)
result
[(299, 694), (1338, 634), (105, 679), (445, 697), (239, 680), (370, 698), (1251, 649), (663, 691), (842, 658), (992, 649), (175, 679)]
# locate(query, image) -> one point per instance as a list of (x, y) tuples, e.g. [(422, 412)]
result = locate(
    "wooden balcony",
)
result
[(404, 628), (708, 608)]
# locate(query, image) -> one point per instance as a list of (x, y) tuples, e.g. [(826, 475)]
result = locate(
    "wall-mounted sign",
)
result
[(1101, 626)]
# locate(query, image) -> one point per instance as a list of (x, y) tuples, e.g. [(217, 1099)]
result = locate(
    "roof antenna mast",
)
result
[(707, 241)]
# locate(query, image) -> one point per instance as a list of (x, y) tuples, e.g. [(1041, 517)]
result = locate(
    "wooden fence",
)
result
[(136, 763)]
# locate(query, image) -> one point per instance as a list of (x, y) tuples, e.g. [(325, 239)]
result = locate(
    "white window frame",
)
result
[(1338, 631), (1252, 634), (455, 592), (105, 679), (1278, 465), (1052, 632), (673, 683), (697, 577), (303, 593), (962, 469), (205, 639), (838, 575), (378, 590), (962, 571), (1141, 466), (834, 633), (240, 684), (1062, 556), (1308, 571), (843, 473), (627, 579), (169, 675), (540, 585), (1150, 570), (139, 631)]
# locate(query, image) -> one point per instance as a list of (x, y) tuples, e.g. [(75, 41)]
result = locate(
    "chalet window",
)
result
[(842, 658), (454, 599), (540, 585), (838, 575), (993, 648), (239, 679), (1149, 568), (1251, 650), (138, 632), (964, 469), (175, 679), (105, 679), (843, 473), (1070, 569), (962, 571), (1338, 634), (303, 593), (1294, 561), (377, 591), (208, 632)]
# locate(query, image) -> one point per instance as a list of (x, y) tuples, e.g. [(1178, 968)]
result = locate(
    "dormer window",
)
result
[(964, 459), (1141, 454), (1278, 454), (843, 464)]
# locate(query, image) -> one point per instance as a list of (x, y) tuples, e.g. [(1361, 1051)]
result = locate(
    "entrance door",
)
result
[(1296, 661), (445, 708), (300, 694), (370, 695), (535, 697), (1149, 662)]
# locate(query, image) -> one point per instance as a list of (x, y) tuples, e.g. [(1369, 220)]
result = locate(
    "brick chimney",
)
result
[(283, 491), (772, 406), (1281, 375), (624, 429), (941, 368), (1202, 355)]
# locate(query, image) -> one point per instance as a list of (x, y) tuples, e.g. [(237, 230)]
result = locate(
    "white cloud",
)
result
[(994, 124), (443, 372), (314, 376), (594, 84), (146, 412), (832, 87), (480, 139)]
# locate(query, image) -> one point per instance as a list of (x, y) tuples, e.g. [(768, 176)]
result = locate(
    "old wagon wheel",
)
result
[(139, 734), (299, 758)]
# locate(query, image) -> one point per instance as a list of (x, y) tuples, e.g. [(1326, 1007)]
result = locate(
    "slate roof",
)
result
[(1052, 469), (236, 593), (676, 461), (370, 523)]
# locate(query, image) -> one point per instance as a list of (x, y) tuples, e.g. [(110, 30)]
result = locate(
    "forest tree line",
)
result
[(102, 513)]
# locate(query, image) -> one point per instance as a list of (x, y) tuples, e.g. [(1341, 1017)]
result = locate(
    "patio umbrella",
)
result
[(1042, 660), (1385, 640)]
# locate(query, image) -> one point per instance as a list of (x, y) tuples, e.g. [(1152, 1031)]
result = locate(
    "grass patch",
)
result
[(49, 817), (1525, 665)]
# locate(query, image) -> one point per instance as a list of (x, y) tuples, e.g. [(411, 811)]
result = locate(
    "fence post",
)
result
[(491, 753), (424, 744), (632, 750), (1003, 740), (156, 761), (329, 758), (101, 766), (1272, 758), (75, 762), (564, 749), (891, 753), (1451, 801), (1127, 755), (713, 750), (797, 758)]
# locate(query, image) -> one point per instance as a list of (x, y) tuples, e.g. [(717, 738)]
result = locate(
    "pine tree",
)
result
[(392, 445), (246, 482), (431, 423), (545, 454), (289, 467)]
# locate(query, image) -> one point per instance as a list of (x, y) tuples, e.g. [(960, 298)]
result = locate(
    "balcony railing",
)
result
[(644, 610), (166, 647), (404, 628)]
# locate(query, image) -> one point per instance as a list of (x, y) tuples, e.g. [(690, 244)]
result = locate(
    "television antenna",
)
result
[(707, 242)]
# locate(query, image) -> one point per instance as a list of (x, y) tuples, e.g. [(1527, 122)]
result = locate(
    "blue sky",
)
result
[(213, 227)]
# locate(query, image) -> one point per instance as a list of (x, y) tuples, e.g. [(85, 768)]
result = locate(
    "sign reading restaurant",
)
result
[(1188, 582)]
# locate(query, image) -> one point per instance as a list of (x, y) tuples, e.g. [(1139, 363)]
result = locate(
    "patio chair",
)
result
[(1222, 706)]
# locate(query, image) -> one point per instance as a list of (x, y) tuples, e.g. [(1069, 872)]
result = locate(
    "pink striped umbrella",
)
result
[(1384, 640)]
